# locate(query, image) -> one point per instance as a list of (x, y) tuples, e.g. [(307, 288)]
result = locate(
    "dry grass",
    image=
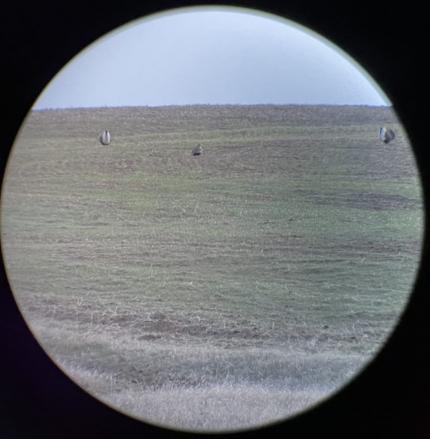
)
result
[(247, 283), (217, 408)]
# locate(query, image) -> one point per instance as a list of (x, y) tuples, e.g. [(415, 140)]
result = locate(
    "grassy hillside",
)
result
[(262, 274)]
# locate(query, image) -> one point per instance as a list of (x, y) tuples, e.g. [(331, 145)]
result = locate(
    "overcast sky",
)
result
[(210, 56)]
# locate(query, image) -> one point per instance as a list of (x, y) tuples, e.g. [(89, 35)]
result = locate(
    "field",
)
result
[(216, 292)]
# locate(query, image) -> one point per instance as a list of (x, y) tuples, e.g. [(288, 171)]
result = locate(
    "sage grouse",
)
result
[(197, 150), (386, 135), (105, 137)]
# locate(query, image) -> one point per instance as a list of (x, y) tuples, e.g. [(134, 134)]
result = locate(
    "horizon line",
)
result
[(209, 105)]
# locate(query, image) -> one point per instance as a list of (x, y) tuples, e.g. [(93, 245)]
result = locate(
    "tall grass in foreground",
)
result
[(219, 391)]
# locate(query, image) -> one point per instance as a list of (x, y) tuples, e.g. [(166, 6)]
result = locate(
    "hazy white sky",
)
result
[(210, 56)]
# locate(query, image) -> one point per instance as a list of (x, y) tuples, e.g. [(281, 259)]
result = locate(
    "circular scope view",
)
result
[(211, 219)]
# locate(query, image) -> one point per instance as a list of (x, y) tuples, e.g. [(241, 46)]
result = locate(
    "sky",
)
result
[(210, 55)]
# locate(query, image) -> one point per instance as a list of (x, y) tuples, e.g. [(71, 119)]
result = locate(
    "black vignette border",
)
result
[(389, 400)]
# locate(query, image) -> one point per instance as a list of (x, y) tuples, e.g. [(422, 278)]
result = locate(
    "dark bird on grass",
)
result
[(197, 150), (105, 137), (386, 135)]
